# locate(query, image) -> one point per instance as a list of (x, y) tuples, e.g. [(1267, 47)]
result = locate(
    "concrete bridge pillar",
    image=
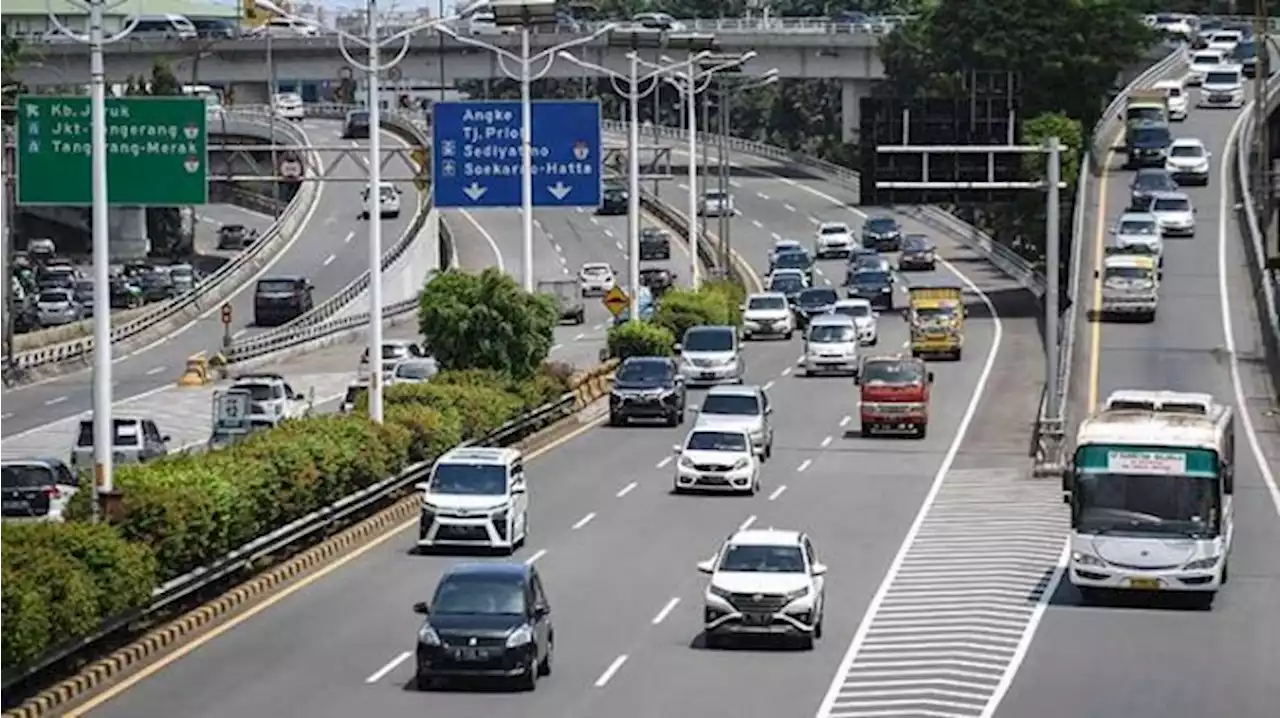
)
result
[(127, 228), (250, 93), (851, 94)]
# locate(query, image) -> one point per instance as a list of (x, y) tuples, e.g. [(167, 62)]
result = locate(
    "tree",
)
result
[(14, 55), (486, 321), (164, 224)]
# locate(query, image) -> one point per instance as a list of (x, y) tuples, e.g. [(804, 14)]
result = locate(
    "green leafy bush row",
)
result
[(716, 302)]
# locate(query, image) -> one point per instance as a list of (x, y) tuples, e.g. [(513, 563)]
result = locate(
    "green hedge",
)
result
[(637, 338), (714, 303)]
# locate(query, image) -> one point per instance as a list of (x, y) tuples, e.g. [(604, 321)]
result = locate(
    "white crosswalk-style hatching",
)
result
[(185, 414), (957, 610)]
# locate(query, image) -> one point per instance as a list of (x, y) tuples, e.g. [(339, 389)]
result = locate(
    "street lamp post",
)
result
[(633, 95), (524, 14), (726, 128), (371, 67), (103, 476)]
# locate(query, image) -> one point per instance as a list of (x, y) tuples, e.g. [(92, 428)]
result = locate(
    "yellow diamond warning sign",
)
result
[(616, 301)]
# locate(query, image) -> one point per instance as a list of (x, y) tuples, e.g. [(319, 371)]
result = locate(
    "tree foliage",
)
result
[(164, 224), (637, 338), (486, 321), (1069, 132)]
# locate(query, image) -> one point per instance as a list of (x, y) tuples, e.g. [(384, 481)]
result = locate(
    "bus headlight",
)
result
[(1087, 559), (1201, 564)]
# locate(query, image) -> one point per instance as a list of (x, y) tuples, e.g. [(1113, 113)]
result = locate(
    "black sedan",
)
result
[(876, 286), (654, 244), (657, 280), (1147, 182), (882, 234), (647, 388), (614, 201), (917, 253), (814, 302)]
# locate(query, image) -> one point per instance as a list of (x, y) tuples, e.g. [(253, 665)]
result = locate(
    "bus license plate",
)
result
[(1144, 584)]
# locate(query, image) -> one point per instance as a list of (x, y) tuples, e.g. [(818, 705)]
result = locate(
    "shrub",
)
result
[(681, 309), (732, 296), (480, 409), (432, 431), (637, 338)]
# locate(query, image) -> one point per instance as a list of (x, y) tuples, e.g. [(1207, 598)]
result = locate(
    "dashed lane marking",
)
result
[(961, 607), (664, 462), (789, 208), (777, 492), (666, 611), (584, 521), (534, 558), (391, 666), (804, 466), (609, 672), (747, 524), (627, 489)]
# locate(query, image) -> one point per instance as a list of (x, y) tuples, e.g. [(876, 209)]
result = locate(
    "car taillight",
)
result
[(52, 492)]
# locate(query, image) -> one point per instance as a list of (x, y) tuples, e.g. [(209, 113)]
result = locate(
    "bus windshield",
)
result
[(1144, 491)]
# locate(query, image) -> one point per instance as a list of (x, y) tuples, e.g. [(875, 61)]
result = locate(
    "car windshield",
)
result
[(872, 278), (786, 248), (156, 279), (763, 559), (651, 233), (596, 271), (1138, 226), (358, 117), (125, 434), (1128, 273), (275, 286), (834, 229), (708, 339), (786, 283), (417, 370), (1153, 181), (54, 297), (892, 372), (1172, 204), (915, 244), (792, 260), (881, 224), (818, 296), (1221, 78), (182, 272), (26, 476), (716, 441), (832, 334), (854, 310), (231, 229), (1152, 136), (934, 315), (479, 595), (1206, 58), (395, 351), (1246, 51), (644, 371), (259, 392), (767, 303), (469, 479), (1142, 504), (715, 195), (731, 404)]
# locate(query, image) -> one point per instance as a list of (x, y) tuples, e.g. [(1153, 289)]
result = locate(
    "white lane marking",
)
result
[(786, 371), (682, 185), (842, 675), (55, 400), (391, 666), (566, 269), (608, 232), (534, 558), (365, 160), (355, 144), (579, 336), (747, 524), (768, 385), (666, 611), (758, 223), (1229, 332), (239, 333), (329, 259), (620, 247), (597, 328), (788, 207), (584, 521), (538, 223), (493, 244), (626, 489), (155, 370), (777, 492), (664, 462), (610, 671), (804, 465), (815, 221), (595, 221), (762, 195), (8, 415), (826, 281), (557, 347), (564, 261), (826, 442), (559, 249), (817, 271), (735, 183), (350, 235), (580, 210), (776, 237)]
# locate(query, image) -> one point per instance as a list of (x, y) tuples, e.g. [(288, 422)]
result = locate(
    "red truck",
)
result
[(894, 395)]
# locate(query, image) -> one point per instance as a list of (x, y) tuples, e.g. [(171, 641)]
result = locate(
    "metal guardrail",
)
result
[(215, 288), (1266, 283), (300, 329), (246, 557)]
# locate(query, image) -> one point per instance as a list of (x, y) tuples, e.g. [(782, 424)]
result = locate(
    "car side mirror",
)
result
[(675, 448), (768, 410), (818, 569), (421, 486), (164, 439), (677, 347), (1096, 274), (929, 377), (857, 379), (1159, 275), (421, 608), (707, 566), (1111, 231), (517, 488), (541, 610)]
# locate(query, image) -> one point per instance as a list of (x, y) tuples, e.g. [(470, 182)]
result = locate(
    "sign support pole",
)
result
[(692, 98), (526, 162), (633, 189)]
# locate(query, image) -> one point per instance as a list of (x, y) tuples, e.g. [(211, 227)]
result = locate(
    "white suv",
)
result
[(764, 582), (271, 398), (388, 201), (831, 345), (477, 497), (1223, 86), (835, 239)]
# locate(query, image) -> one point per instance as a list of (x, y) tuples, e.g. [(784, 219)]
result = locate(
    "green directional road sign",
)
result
[(157, 151)]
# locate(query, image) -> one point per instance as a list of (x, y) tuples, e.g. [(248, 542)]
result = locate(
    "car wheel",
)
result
[(422, 682), (616, 419), (529, 680), (790, 333), (712, 641), (817, 630), (545, 666), (673, 419), (866, 431), (768, 449), (922, 431), (806, 642)]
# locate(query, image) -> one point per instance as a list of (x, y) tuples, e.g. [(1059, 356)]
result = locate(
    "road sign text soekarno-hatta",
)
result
[(157, 151)]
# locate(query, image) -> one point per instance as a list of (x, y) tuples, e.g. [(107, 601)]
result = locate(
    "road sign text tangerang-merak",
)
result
[(157, 151)]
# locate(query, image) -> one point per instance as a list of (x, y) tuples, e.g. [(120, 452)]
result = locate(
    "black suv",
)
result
[(654, 244), (486, 620), (874, 285), (813, 302), (235, 236), (795, 260), (356, 126), (647, 388), (613, 201), (278, 300), (882, 234)]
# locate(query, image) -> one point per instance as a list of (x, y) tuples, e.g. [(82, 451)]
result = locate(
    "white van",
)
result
[(1223, 86), (286, 27), (476, 496), (167, 25)]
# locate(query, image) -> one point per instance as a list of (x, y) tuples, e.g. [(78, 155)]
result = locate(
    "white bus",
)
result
[(1150, 489)]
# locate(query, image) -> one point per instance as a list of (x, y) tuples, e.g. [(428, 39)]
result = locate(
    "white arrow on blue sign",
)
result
[(478, 160)]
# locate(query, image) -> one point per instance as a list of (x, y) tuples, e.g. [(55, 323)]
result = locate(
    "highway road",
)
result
[(617, 551), (330, 250), (1155, 658)]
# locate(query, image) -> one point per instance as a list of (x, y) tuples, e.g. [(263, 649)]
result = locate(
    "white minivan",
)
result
[(476, 497), (1223, 86)]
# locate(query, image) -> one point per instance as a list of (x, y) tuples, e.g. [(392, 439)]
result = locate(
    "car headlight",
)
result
[(1087, 559), (715, 590), (885, 290), (427, 636), (1201, 564), (520, 636), (741, 464), (796, 595), (430, 508), (686, 462)]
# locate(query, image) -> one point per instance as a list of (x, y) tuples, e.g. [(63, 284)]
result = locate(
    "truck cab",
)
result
[(936, 318), (1130, 285), (1147, 143), (894, 395), (567, 298)]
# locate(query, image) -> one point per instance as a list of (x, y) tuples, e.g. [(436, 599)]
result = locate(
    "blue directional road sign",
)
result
[(476, 154)]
